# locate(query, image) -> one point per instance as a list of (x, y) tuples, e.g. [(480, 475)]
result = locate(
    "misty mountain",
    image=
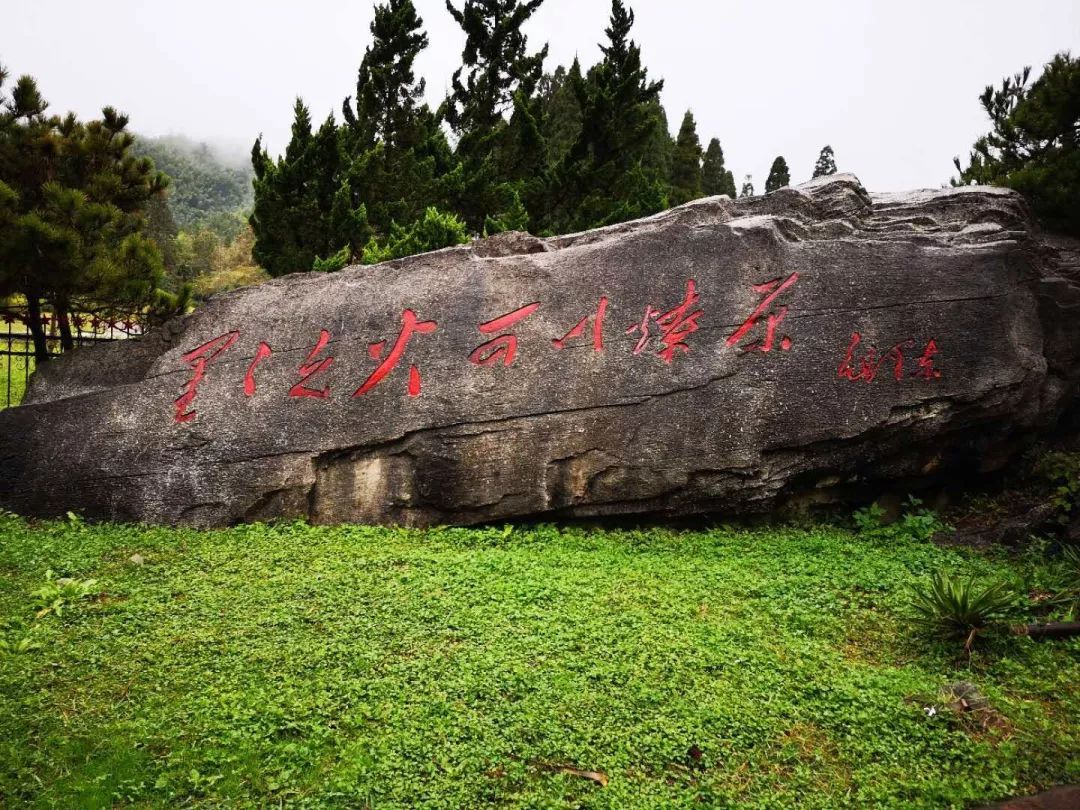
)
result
[(210, 184)]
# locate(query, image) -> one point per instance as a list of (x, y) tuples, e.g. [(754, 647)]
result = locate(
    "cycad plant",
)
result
[(955, 608)]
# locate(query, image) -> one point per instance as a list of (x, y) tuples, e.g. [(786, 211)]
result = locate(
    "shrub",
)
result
[(1062, 472), (955, 608), (433, 231)]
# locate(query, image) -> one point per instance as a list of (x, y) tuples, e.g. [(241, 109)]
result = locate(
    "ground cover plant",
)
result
[(530, 666)]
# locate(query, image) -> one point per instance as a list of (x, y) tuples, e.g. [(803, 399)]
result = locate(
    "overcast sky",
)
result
[(893, 86)]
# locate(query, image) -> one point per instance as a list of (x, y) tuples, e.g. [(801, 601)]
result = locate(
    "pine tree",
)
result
[(73, 198), (1034, 144), (715, 178), (826, 162), (747, 187), (686, 175), (778, 175), (615, 170)]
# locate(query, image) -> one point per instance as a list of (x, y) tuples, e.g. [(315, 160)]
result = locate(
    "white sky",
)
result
[(893, 86)]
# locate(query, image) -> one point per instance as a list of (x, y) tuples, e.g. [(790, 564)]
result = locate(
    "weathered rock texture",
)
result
[(729, 356)]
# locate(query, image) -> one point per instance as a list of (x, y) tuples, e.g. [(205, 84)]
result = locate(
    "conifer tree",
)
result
[(747, 187), (715, 177), (73, 198), (303, 206), (778, 175), (394, 150), (561, 112), (498, 77), (614, 171), (686, 179), (826, 162), (387, 92), (1034, 144)]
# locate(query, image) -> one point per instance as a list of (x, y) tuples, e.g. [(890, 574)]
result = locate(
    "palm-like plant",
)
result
[(954, 607)]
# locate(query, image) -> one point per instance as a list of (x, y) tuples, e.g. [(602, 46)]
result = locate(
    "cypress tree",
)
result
[(498, 77), (614, 170), (301, 212), (778, 175), (715, 177), (394, 150), (387, 91), (747, 187), (686, 176), (561, 111), (826, 162)]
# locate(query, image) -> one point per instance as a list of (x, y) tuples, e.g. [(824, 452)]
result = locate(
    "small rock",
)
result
[(963, 696)]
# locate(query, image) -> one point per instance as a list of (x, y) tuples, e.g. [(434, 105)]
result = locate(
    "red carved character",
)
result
[(199, 359), (871, 361), (772, 290), (579, 329), (503, 347), (926, 363), (410, 325), (310, 367), (676, 325), (261, 354)]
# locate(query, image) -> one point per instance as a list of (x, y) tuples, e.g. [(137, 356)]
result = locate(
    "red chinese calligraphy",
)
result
[(926, 363), (199, 359), (871, 361), (261, 354), (772, 290), (310, 367), (410, 325), (503, 347), (676, 325), (579, 329)]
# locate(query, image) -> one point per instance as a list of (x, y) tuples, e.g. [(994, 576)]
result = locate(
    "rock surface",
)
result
[(724, 356)]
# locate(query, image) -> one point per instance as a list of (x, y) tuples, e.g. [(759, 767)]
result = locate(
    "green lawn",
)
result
[(368, 667), (13, 380)]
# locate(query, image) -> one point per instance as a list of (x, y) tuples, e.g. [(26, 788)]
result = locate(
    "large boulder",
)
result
[(724, 356)]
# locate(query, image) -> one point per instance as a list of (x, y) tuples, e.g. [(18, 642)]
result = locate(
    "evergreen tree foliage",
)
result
[(73, 200), (1034, 145), (436, 229), (561, 111), (393, 147), (747, 187), (778, 175), (616, 167), (826, 162), (686, 175), (336, 188), (498, 78), (715, 177), (304, 207), (387, 91)]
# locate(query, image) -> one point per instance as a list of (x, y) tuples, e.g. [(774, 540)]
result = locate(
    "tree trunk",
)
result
[(63, 320), (1048, 630), (37, 329)]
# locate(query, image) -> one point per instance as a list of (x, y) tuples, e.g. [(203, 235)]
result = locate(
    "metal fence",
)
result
[(17, 343)]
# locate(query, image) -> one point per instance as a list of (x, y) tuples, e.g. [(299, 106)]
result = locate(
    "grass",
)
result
[(540, 667), (13, 378)]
